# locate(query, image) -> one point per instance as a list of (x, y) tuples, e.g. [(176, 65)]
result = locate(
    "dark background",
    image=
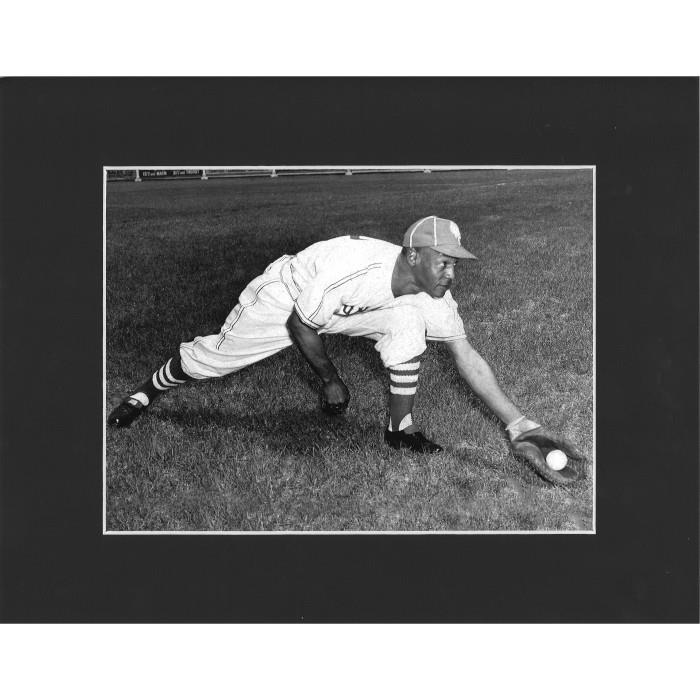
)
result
[(57, 134)]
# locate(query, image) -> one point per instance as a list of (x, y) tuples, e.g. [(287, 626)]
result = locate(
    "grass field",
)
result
[(253, 452)]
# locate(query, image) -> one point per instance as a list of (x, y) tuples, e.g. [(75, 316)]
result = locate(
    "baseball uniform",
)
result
[(338, 286)]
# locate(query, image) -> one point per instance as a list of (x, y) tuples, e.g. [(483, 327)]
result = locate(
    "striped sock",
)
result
[(403, 382), (167, 377)]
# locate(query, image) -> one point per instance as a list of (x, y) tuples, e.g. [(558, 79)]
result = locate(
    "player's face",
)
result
[(434, 272)]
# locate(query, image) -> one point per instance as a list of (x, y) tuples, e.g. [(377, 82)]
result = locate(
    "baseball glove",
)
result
[(532, 447)]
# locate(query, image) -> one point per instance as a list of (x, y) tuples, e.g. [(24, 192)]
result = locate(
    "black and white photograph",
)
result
[(280, 357), (349, 349)]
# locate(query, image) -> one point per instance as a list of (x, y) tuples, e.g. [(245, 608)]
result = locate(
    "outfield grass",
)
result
[(253, 452)]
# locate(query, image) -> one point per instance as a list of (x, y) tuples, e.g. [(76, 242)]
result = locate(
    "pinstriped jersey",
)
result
[(352, 274)]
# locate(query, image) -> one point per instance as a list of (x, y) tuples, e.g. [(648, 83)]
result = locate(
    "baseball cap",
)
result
[(439, 234)]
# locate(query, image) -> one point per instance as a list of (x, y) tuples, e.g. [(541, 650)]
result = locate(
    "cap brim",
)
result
[(454, 251)]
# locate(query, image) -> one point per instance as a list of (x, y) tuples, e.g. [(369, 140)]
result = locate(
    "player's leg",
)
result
[(403, 383), (399, 333), (254, 330), (167, 377), (405, 335)]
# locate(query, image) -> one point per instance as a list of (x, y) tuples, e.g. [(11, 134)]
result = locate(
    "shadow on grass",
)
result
[(293, 432)]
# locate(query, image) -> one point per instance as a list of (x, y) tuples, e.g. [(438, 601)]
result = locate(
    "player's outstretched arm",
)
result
[(477, 373), (335, 394), (529, 440)]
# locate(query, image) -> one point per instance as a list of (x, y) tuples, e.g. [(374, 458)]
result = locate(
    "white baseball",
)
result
[(556, 460)]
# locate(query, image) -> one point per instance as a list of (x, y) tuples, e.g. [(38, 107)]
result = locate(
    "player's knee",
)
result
[(199, 358), (404, 339)]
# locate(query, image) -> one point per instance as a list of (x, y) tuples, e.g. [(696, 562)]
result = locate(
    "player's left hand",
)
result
[(533, 446)]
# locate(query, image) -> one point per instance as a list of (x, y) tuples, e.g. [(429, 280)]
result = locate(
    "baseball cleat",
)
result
[(126, 413), (416, 442)]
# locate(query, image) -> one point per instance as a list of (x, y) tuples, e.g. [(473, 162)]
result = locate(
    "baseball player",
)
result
[(396, 296)]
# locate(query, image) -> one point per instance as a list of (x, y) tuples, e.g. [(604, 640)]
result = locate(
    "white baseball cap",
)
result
[(439, 234)]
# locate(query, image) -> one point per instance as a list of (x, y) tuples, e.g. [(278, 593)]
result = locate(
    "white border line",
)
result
[(595, 353), (359, 168), (104, 351), (390, 533), (331, 167)]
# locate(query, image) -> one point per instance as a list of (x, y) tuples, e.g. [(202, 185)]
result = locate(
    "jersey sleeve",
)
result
[(443, 321), (324, 295)]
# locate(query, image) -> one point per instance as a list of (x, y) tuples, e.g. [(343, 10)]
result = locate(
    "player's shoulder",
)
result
[(355, 250)]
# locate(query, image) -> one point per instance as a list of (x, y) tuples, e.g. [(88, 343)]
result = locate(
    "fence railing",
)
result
[(141, 174)]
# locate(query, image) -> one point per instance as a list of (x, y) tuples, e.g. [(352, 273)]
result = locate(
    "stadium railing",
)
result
[(141, 174)]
